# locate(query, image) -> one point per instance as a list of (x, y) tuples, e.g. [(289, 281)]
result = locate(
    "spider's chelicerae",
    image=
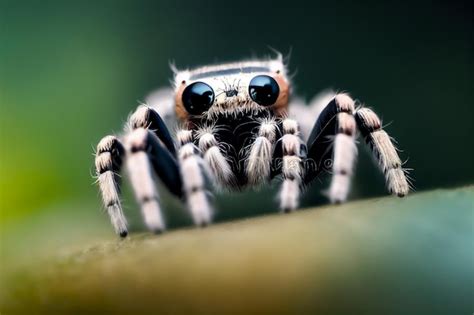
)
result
[(239, 128)]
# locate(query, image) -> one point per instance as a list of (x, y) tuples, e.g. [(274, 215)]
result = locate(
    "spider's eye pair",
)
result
[(199, 96)]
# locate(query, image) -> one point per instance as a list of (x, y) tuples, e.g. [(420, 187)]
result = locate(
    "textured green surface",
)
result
[(392, 255)]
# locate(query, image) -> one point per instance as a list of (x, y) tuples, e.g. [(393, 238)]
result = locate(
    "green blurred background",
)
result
[(71, 72)]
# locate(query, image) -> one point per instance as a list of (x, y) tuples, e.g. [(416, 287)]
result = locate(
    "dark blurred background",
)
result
[(71, 72)]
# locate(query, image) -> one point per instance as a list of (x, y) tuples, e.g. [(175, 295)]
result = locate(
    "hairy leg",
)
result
[(108, 162), (146, 117), (150, 152), (384, 151), (259, 161), (332, 146), (293, 152), (215, 159), (138, 144), (195, 177)]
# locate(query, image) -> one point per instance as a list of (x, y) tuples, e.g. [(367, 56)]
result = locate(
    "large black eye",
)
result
[(197, 98), (264, 90)]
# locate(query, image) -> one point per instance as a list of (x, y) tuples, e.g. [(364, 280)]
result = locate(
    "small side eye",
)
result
[(264, 90), (197, 98)]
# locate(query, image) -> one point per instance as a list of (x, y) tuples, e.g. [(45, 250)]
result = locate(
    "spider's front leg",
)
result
[(195, 175), (291, 149)]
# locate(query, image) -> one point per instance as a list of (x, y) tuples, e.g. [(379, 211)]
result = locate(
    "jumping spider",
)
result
[(238, 129)]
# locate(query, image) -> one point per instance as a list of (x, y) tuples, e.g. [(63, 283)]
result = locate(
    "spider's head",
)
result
[(232, 89)]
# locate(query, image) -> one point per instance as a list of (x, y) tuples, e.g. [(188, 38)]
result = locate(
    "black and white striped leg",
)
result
[(146, 117), (344, 150), (141, 178), (384, 151), (150, 152), (108, 162), (195, 175), (293, 152), (332, 145), (218, 164), (161, 148)]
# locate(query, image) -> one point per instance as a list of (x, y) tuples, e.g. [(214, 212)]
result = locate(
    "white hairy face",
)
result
[(228, 89)]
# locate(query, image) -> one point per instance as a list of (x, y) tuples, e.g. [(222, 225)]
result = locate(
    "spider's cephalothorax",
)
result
[(239, 129)]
